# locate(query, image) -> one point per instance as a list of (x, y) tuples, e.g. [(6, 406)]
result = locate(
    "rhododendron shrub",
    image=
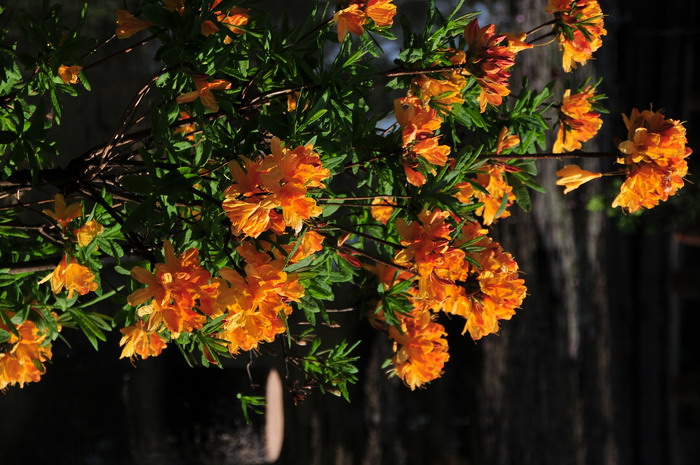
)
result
[(260, 168)]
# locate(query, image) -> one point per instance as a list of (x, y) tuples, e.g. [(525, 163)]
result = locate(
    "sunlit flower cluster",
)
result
[(578, 29), (279, 181), (490, 57), (23, 355), (445, 88), (355, 15), (654, 159), (578, 122), (233, 19)]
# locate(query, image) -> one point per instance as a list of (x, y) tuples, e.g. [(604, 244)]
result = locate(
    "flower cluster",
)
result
[(183, 296), (355, 15), (579, 27), (490, 57), (418, 125), (232, 19), (279, 181), (445, 89), (654, 159), (22, 356), (203, 92), (577, 121), (470, 276), (496, 195)]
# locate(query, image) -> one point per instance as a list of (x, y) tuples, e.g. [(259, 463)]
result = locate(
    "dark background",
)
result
[(601, 366)]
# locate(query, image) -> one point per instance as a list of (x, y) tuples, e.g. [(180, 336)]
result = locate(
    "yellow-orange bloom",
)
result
[(499, 191), (73, 276), (382, 12), (64, 214), (572, 176), (311, 243), (279, 181), (179, 287), (69, 74), (350, 19), (204, 93), (137, 340), (421, 349), (577, 121), (382, 209), (416, 120), (87, 232), (128, 24), (575, 17), (255, 302), (655, 153), (505, 141), (22, 356)]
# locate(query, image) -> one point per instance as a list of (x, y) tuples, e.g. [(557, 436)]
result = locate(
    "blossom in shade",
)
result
[(87, 232), (204, 93), (62, 213), (128, 24), (654, 156), (69, 74), (74, 277), (23, 355), (177, 6), (138, 340), (578, 28), (572, 176), (233, 19), (577, 121)]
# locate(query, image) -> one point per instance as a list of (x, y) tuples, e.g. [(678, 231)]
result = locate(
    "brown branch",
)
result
[(546, 156), (367, 236), (417, 72), (126, 50)]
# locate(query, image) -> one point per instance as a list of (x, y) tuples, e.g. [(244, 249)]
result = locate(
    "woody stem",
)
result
[(543, 36), (416, 72), (375, 259), (129, 49), (367, 198), (532, 31), (367, 236), (546, 156)]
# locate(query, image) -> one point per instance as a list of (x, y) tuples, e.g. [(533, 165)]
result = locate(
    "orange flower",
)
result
[(87, 232), (64, 214), (175, 5), (178, 288), (577, 121), (421, 348), (235, 17), (491, 57), (69, 74), (414, 178), (431, 152), (655, 153), (22, 356), (311, 243), (573, 18), (382, 12), (280, 180), (350, 19), (382, 209), (505, 141), (137, 340), (128, 24), (75, 278), (187, 130), (498, 189), (572, 176), (416, 120), (255, 303), (203, 92)]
